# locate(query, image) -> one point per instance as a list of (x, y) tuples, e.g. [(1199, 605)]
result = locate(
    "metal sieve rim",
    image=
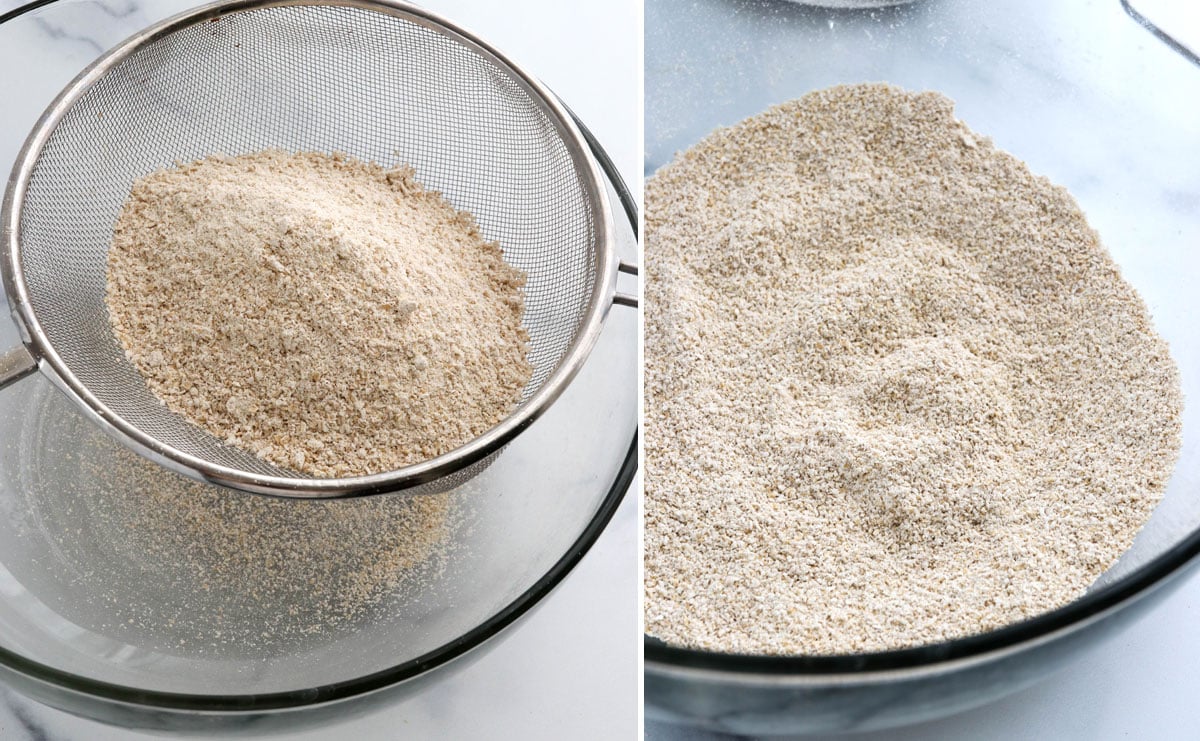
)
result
[(41, 352)]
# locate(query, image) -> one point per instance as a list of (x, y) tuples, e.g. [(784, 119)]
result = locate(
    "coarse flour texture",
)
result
[(329, 315), (125, 548), (896, 390), (205, 571)]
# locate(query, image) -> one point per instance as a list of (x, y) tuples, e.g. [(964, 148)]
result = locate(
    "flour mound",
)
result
[(330, 316)]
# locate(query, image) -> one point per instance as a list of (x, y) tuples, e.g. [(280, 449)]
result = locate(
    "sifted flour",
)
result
[(896, 390), (122, 546), (331, 316)]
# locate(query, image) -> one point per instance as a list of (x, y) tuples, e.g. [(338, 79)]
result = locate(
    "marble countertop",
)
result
[(570, 668)]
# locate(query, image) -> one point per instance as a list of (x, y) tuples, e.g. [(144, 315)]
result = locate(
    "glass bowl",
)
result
[(116, 604), (1088, 95)]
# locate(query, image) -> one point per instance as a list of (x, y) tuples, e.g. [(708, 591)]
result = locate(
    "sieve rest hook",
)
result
[(15, 364), (626, 299)]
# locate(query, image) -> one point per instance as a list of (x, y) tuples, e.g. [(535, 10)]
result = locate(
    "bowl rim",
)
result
[(347, 689), (664, 657)]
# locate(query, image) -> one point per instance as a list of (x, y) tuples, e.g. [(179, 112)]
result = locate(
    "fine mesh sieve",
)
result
[(382, 81)]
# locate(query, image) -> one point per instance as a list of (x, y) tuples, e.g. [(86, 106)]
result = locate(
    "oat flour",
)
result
[(896, 390), (331, 316)]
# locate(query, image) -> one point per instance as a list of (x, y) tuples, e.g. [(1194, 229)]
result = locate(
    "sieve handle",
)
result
[(15, 365), (626, 299)]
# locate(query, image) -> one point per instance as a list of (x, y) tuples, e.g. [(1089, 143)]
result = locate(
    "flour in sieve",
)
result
[(331, 316)]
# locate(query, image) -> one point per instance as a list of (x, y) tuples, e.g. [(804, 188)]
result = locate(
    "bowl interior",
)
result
[(1077, 89)]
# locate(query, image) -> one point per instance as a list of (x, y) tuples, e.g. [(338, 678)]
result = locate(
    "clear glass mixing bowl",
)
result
[(1087, 95), (89, 624)]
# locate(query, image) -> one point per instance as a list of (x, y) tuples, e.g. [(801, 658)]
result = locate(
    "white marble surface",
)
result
[(570, 669)]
